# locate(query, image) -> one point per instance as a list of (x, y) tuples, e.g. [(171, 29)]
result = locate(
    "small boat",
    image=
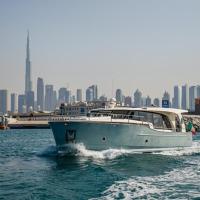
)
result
[(3, 122), (124, 127)]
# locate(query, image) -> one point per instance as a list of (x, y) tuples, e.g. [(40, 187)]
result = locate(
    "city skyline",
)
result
[(112, 44)]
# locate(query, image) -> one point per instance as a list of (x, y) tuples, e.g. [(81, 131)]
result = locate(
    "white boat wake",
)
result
[(80, 150)]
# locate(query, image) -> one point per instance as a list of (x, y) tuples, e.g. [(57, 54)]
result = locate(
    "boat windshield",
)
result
[(159, 121)]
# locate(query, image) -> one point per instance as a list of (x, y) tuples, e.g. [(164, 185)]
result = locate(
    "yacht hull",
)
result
[(101, 136)]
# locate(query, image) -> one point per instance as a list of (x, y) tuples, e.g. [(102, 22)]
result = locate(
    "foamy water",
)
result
[(80, 150)]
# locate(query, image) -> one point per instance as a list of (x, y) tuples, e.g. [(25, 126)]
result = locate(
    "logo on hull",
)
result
[(70, 135)]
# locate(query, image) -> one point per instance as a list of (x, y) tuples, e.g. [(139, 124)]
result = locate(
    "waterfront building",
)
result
[(3, 101), (148, 101), (128, 101), (192, 97), (185, 97), (28, 81), (119, 96), (80, 108), (40, 94), (14, 103), (49, 98), (29, 101), (166, 97), (137, 99), (79, 95), (156, 102), (21, 103), (62, 95), (177, 97)]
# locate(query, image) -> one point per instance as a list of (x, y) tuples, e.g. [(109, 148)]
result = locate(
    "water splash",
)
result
[(109, 154), (185, 151), (177, 184)]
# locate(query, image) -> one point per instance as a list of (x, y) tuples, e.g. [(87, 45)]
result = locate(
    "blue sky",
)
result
[(147, 44)]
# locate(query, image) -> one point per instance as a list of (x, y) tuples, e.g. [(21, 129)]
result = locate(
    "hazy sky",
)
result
[(147, 44)]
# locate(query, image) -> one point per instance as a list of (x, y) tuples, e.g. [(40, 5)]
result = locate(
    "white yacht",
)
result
[(125, 127)]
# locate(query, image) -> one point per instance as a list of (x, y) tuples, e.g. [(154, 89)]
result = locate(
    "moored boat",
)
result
[(125, 127)]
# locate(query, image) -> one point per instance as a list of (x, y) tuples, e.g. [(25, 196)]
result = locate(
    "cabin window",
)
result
[(178, 124), (158, 121)]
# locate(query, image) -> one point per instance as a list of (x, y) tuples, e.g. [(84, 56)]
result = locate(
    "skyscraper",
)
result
[(21, 103), (3, 101), (119, 96), (28, 82), (137, 99), (192, 97), (185, 97), (148, 101), (79, 95), (14, 103), (40, 94), (49, 98), (177, 97), (166, 97), (62, 95), (128, 101), (29, 101), (198, 91), (92, 93), (89, 94), (156, 102), (55, 100)]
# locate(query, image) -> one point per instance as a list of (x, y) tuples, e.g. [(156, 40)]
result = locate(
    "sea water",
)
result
[(31, 167)]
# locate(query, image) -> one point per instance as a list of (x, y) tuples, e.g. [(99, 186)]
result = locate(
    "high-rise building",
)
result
[(198, 91), (95, 92), (68, 96), (137, 99), (166, 97), (62, 95), (156, 102), (128, 101), (78, 95), (28, 81), (192, 97), (55, 99), (21, 103), (92, 93), (14, 103), (89, 94), (148, 101), (177, 97), (40, 94), (119, 96), (30, 101), (3, 101), (49, 98), (185, 97)]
